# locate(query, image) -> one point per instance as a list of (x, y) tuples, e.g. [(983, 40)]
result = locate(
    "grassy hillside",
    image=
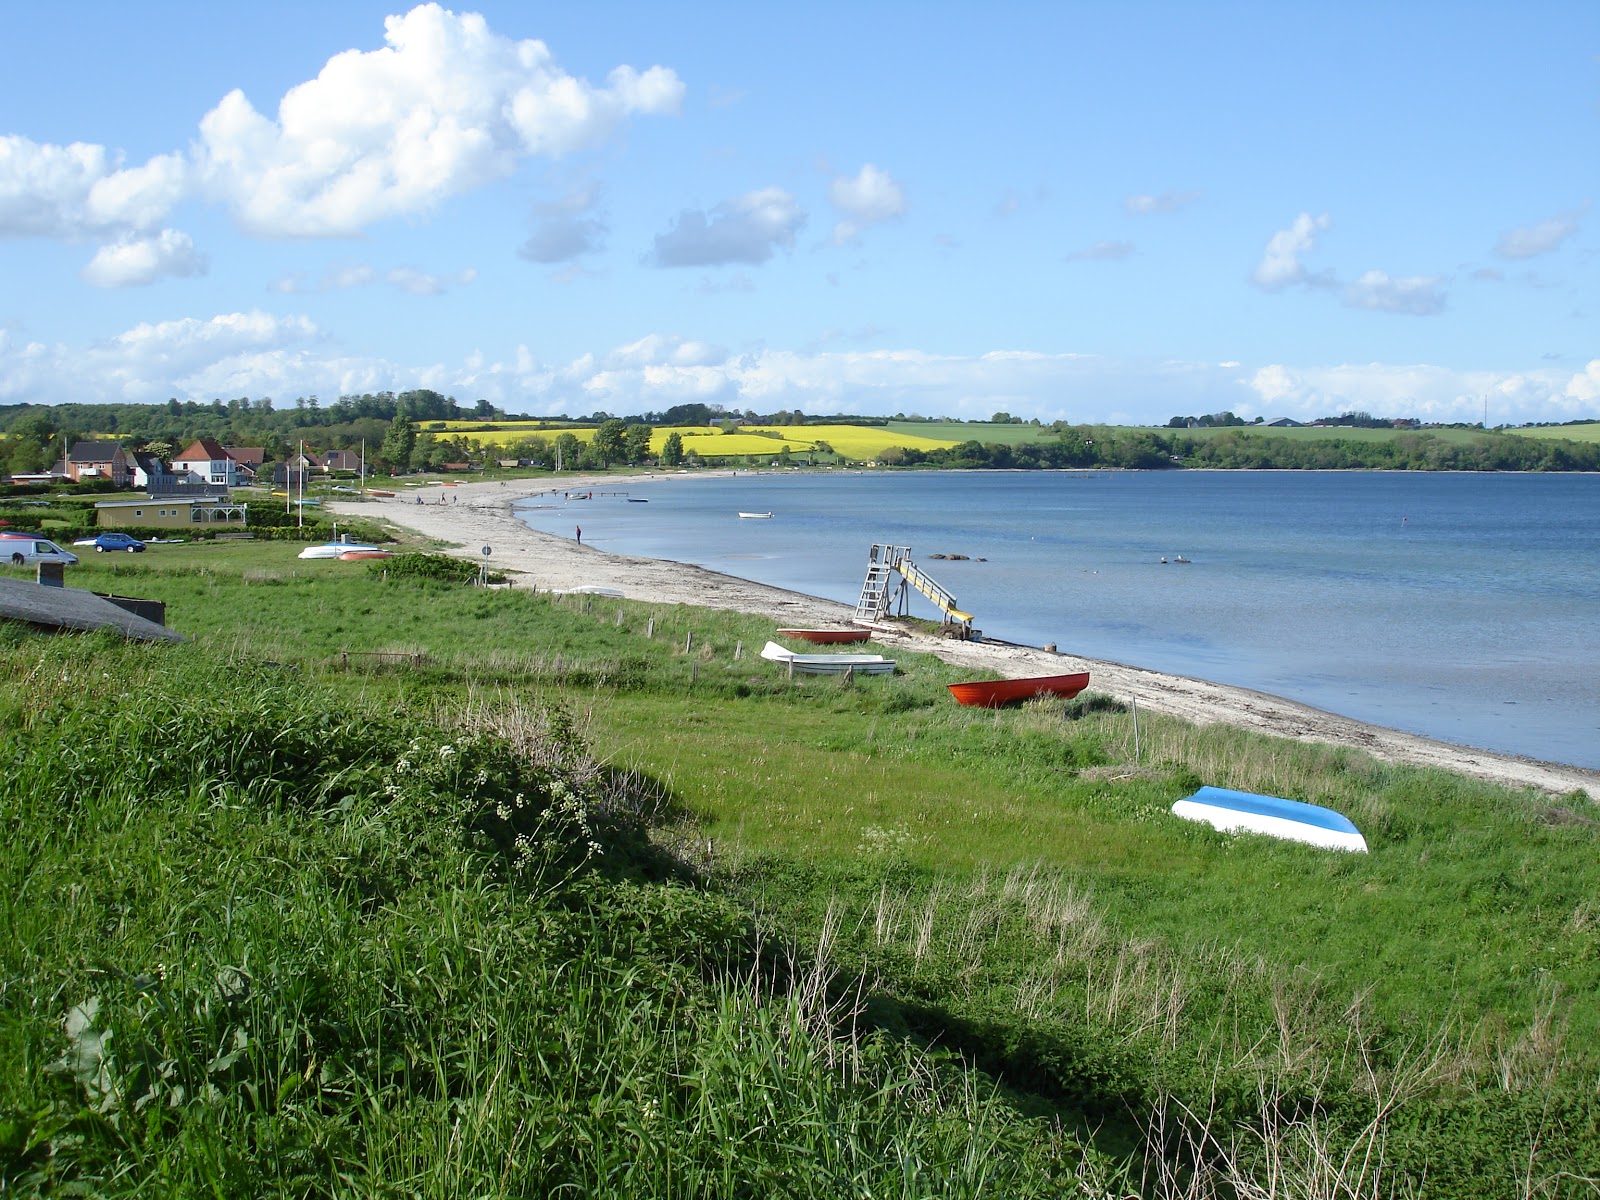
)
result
[(1588, 432), (391, 886)]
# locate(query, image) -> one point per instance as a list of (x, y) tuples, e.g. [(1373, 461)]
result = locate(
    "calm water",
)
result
[(1463, 607)]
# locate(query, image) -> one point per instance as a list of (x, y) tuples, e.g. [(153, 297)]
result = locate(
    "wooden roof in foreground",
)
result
[(74, 608)]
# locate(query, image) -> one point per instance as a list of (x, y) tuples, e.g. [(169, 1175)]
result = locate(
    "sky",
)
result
[(1111, 213)]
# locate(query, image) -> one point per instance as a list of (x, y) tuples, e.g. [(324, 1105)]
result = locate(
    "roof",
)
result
[(74, 608), (167, 499), (94, 451), (252, 455), (208, 450)]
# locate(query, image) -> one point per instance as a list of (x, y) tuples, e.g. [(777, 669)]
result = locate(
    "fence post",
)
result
[(650, 628), (688, 641), (738, 649), (619, 616)]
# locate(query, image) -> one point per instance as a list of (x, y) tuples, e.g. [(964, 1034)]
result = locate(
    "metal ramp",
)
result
[(880, 591)]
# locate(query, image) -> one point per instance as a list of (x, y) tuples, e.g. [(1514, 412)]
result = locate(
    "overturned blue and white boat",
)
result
[(1232, 811)]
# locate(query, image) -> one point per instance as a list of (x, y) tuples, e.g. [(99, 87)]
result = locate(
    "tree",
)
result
[(568, 450), (399, 443), (610, 442), (672, 450), (637, 441)]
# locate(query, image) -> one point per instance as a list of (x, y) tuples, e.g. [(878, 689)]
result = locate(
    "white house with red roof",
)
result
[(207, 460)]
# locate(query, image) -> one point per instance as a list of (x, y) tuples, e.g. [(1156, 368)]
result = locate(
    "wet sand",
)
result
[(468, 516)]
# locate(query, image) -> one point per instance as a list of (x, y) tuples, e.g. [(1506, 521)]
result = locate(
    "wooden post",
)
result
[(849, 676), (738, 649), (619, 617), (688, 641), (1136, 732), (650, 628), (694, 672), (791, 670)]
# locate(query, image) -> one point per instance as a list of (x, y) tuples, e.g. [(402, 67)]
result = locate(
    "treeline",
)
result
[(1139, 449)]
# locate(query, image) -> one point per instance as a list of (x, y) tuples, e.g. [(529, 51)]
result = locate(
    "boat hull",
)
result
[(827, 637), (357, 555), (1233, 812), (828, 664), (997, 693)]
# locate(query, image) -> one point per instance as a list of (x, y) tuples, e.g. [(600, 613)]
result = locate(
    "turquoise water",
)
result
[(1465, 607)]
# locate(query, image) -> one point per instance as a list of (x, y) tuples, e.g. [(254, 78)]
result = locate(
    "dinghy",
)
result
[(1274, 816)]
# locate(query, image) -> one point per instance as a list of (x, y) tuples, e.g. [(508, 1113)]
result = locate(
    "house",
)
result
[(1284, 423), (150, 473), (170, 512), (99, 460), (341, 460), (247, 461), (209, 461)]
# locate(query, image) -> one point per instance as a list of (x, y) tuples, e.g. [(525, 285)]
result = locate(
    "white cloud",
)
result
[(745, 230), (446, 106), (1166, 202), (1584, 387), (1102, 252), (1533, 240), (1418, 295), (81, 190), (1280, 264), (259, 354), (136, 261), (867, 199), (346, 276)]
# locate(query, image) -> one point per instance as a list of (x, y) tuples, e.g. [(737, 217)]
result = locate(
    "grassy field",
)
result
[(798, 937), (1589, 432)]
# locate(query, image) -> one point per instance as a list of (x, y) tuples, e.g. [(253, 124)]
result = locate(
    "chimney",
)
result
[(52, 574)]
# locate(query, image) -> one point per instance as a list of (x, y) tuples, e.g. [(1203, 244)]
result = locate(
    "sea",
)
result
[(1461, 606)]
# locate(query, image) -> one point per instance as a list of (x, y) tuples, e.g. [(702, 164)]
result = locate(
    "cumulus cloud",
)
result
[(1584, 387), (1533, 240), (1102, 252), (1166, 202), (82, 190), (446, 106), (1280, 264), (1418, 295), (744, 230), (868, 198), (135, 261)]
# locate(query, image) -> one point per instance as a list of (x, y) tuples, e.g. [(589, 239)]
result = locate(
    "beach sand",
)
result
[(469, 516)]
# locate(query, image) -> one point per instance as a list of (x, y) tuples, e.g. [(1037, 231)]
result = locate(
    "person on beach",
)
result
[(580, 535)]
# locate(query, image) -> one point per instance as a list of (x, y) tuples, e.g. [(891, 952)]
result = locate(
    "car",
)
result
[(21, 550), (112, 541)]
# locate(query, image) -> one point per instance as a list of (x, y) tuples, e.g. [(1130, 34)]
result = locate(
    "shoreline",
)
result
[(469, 516)]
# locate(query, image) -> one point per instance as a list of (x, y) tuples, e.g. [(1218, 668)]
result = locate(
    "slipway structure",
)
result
[(1248, 812)]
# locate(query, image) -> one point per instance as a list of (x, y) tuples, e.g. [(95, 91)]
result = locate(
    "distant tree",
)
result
[(399, 443), (568, 450), (610, 442), (636, 441), (672, 450)]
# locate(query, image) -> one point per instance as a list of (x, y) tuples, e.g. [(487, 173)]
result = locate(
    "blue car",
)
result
[(112, 541)]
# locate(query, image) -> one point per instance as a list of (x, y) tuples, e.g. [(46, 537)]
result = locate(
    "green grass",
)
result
[(1588, 432), (1006, 888)]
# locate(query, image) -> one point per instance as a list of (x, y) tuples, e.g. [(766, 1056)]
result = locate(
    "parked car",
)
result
[(112, 541), (21, 550)]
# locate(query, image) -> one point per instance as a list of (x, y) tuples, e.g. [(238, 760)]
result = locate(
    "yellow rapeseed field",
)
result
[(859, 442)]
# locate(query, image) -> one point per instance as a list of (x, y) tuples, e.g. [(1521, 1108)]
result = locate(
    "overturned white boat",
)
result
[(1274, 816), (829, 664)]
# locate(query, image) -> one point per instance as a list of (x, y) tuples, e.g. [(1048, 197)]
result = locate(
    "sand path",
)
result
[(469, 516)]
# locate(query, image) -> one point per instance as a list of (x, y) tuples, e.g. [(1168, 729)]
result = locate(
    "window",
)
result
[(138, 512)]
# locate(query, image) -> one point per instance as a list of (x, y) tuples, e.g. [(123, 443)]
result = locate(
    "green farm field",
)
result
[(832, 939)]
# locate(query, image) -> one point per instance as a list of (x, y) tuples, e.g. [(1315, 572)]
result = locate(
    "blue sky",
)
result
[(1106, 212)]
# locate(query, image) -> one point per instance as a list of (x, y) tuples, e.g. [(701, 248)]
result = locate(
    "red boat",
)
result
[(995, 693), (827, 636)]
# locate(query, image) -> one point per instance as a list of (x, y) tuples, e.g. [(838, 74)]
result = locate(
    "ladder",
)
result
[(878, 592)]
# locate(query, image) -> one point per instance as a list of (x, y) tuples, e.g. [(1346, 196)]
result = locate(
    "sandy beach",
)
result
[(466, 517)]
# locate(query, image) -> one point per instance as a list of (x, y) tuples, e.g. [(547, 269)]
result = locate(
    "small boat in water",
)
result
[(638, 500), (827, 636), (1231, 811), (997, 693), (829, 664), (766, 516)]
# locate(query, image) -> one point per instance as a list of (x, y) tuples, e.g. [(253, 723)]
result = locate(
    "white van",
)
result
[(25, 549)]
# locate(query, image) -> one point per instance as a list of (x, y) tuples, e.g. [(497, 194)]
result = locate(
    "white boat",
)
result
[(588, 589), (1231, 811), (829, 664), (766, 516), (334, 549)]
